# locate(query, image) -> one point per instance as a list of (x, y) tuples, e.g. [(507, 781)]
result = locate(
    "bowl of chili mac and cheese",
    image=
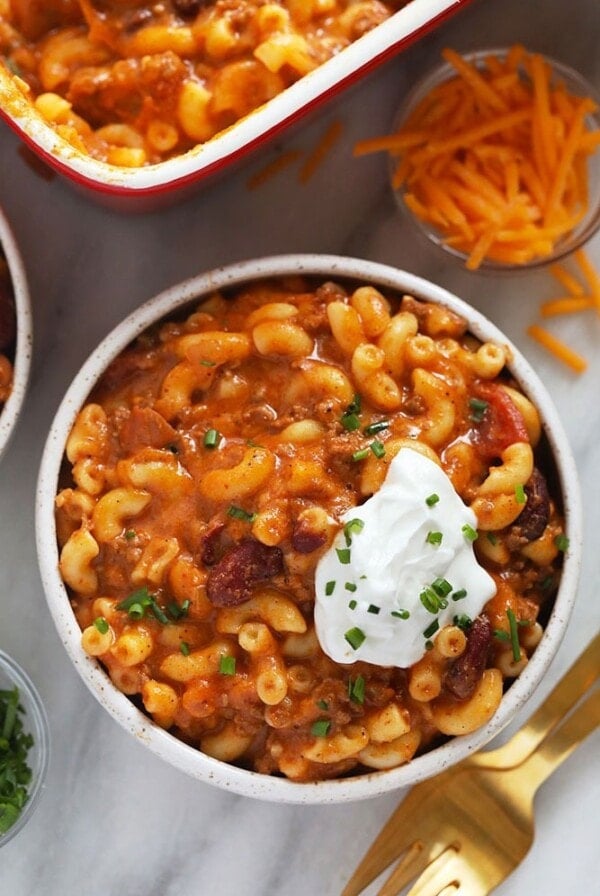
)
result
[(15, 333), (140, 99), (308, 527)]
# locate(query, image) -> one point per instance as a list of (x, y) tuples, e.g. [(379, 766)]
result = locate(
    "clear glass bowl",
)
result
[(35, 722), (576, 85)]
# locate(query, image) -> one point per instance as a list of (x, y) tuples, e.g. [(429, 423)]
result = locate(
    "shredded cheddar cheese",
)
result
[(283, 160), (576, 301), (319, 153), (495, 158), (557, 348)]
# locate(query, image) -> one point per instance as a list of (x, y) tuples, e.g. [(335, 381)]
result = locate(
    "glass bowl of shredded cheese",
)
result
[(495, 156), (24, 748)]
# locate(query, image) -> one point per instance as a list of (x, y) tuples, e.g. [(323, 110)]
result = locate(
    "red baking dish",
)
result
[(148, 187)]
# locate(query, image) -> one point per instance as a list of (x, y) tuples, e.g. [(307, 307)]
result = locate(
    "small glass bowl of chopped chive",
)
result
[(24, 748), (495, 156)]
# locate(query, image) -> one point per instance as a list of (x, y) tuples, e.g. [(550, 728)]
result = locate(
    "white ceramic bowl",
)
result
[(121, 708), (10, 411), (35, 723), (139, 189)]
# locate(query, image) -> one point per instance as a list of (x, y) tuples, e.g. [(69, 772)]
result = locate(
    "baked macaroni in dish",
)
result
[(133, 83), (230, 479), (8, 331)]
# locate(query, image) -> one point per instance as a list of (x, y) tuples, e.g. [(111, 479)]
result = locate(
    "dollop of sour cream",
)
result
[(400, 569)]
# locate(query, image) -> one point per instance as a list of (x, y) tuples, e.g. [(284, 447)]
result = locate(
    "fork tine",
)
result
[(395, 838), (408, 868), (441, 875)]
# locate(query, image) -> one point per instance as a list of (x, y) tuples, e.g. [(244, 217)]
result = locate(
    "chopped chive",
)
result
[(501, 635), (442, 587), (462, 621), (492, 538), (547, 583), (361, 454), (514, 635), (373, 428), (350, 586), (378, 448), (520, 495), (158, 612), (329, 587), (350, 422), (430, 600), (353, 604), (562, 542), (431, 629), (458, 595), (320, 728), (478, 408), (101, 625), (356, 689), (432, 500), (129, 534), (212, 437), (227, 665), (469, 532), (184, 648), (179, 611), (353, 527), (239, 513), (373, 608), (136, 603), (349, 418), (136, 612), (401, 614), (323, 704), (434, 538), (343, 555), (206, 363), (355, 637)]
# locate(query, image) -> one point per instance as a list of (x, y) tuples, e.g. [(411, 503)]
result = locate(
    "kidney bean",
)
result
[(533, 519), (304, 539), (465, 672), (230, 582)]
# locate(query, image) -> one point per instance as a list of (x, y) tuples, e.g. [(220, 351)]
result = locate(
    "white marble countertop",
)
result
[(113, 818)]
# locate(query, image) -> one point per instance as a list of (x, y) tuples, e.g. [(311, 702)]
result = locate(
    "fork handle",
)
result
[(574, 683), (559, 745)]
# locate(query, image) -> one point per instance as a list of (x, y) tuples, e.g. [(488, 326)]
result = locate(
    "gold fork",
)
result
[(466, 829)]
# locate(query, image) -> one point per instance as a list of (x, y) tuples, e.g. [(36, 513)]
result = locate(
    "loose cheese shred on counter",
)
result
[(557, 348), (566, 305), (272, 168), (495, 158), (324, 146)]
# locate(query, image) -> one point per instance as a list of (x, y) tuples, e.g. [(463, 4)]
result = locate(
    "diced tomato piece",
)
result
[(502, 423)]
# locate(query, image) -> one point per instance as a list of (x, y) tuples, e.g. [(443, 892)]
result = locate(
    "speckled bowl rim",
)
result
[(186, 758), (10, 412)]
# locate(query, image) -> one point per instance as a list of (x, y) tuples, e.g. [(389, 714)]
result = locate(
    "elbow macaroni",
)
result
[(250, 425)]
